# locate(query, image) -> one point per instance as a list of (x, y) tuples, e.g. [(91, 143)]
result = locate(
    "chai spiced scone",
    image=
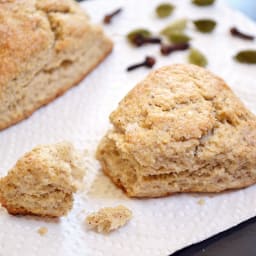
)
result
[(43, 181), (181, 129), (46, 47)]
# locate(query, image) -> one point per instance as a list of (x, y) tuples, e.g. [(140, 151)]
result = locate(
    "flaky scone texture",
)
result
[(43, 181), (46, 47), (181, 129)]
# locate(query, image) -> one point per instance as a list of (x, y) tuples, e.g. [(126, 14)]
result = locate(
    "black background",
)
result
[(238, 241)]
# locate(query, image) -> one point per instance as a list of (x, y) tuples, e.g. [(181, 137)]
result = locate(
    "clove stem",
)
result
[(167, 49), (235, 32), (149, 62), (140, 40), (107, 19)]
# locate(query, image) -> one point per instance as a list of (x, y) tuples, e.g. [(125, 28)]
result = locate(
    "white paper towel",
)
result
[(160, 226)]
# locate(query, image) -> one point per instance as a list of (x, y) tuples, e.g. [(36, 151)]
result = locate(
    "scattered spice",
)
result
[(174, 32), (177, 26), (246, 56), (235, 32), (178, 38), (138, 32), (140, 40), (164, 10), (42, 231), (201, 201), (149, 62), (203, 2), (205, 25), (197, 58), (168, 49), (108, 18)]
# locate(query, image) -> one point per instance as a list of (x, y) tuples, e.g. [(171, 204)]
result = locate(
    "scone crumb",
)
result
[(201, 201), (42, 231), (109, 219)]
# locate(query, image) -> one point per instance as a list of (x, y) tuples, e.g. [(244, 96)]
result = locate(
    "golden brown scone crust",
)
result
[(43, 181), (26, 41), (46, 38), (181, 129)]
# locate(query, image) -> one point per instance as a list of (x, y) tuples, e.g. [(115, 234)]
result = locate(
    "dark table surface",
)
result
[(238, 241)]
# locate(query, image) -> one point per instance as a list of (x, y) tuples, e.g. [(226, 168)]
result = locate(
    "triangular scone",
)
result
[(46, 47), (43, 181), (182, 129)]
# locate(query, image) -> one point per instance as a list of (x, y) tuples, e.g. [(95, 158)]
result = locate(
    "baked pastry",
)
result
[(109, 219), (46, 47), (181, 129), (43, 181)]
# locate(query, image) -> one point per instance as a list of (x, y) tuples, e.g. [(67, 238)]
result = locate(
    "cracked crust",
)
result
[(180, 130), (43, 38)]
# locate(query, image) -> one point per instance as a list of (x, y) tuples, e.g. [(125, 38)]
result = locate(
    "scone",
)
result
[(181, 129), (109, 219), (46, 47), (43, 181)]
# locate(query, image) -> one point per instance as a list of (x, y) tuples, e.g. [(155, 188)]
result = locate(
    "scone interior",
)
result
[(43, 181), (182, 129), (46, 47)]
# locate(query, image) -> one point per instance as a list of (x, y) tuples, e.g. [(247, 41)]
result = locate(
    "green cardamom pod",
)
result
[(203, 2), (205, 25), (141, 32), (178, 38), (176, 26), (164, 10), (246, 56), (197, 58)]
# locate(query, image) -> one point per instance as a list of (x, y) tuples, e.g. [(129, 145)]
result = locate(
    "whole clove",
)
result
[(140, 40), (168, 49), (235, 32), (108, 18), (149, 62)]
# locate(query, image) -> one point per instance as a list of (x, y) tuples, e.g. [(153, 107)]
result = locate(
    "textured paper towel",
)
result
[(159, 226)]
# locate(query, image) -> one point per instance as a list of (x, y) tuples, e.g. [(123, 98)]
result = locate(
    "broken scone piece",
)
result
[(43, 181), (109, 219), (181, 129)]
